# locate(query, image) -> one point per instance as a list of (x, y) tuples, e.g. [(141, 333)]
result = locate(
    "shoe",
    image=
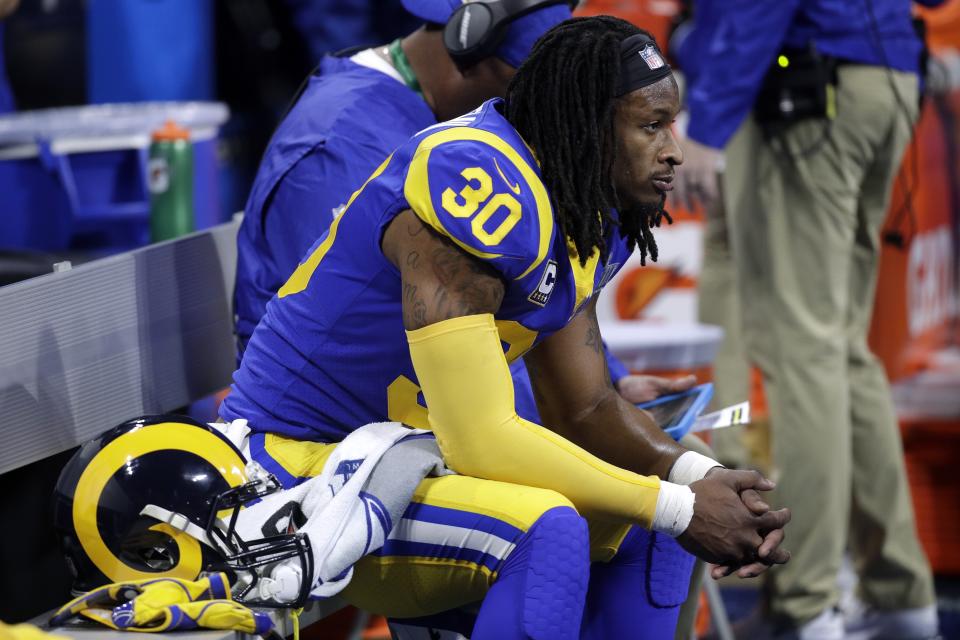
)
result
[(826, 626), (867, 623)]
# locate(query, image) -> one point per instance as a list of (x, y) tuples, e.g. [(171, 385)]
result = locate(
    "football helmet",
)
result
[(159, 496)]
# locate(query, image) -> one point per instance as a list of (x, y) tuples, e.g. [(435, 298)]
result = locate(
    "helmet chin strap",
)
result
[(182, 523), (255, 472)]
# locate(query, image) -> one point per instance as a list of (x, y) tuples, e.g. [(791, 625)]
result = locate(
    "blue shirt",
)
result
[(331, 355), (737, 40)]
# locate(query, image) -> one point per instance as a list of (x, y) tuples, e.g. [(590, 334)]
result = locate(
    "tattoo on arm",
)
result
[(593, 339), (464, 285), (414, 230), (440, 281), (414, 308)]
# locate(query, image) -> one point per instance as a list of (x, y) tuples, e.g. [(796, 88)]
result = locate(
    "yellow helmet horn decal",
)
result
[(188, 549), (141, 441)]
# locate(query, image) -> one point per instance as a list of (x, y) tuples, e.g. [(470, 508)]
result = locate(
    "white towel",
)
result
[(346, 517)]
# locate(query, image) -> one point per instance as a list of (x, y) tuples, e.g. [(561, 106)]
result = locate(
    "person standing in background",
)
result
[(806, 198), (6, 95)]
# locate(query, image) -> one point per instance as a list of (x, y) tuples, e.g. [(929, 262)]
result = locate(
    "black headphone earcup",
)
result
[(466, 31)]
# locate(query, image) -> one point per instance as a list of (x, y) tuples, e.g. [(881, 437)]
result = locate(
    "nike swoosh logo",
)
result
[(513, 187)]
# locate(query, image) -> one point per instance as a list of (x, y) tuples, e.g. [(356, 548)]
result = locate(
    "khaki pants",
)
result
[(804, 217), (719, 304)]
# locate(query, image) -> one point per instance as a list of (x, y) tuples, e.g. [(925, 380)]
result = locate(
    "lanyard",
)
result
[(402, 65)]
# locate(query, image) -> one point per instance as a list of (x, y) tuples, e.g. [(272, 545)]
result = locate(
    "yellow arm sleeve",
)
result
[(469, 394)]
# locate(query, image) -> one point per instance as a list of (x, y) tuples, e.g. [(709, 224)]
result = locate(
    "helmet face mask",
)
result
[(160, 497), (245, 560)]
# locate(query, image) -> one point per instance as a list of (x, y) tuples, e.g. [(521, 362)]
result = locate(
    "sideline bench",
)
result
[(83, 349)]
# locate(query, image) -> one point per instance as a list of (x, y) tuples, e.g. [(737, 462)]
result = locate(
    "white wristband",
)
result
[(674, 509), (690, 467)]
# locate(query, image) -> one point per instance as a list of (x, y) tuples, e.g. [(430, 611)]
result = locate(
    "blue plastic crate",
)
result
[(77, 177)]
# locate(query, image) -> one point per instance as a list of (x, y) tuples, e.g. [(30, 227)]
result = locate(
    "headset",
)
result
[(477, 27)]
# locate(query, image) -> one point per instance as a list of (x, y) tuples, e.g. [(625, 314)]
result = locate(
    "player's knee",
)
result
[(561, 536), (541, 501), (561, 520), (556, 543)]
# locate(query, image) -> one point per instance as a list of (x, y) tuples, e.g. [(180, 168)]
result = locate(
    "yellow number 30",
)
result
[(476, 192)]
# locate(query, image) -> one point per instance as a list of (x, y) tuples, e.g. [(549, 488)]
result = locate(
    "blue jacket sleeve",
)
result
[(299, 211), (306, 200), (732, 63)]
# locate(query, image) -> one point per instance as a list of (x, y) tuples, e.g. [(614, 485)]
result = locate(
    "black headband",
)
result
[(641, 64)]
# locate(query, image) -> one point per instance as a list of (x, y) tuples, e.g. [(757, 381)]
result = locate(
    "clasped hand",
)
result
[(732, 527)]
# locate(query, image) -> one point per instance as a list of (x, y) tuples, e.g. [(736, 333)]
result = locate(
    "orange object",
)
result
[(703, 374), (931, 449), (653, 15), (377, 629), (637, 288), (943, 24), (758, 399), (170, 131), (640, 285), (916, 306), (701, 626)]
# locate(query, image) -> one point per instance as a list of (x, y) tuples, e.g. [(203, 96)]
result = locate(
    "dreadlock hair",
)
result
[(562, 103)]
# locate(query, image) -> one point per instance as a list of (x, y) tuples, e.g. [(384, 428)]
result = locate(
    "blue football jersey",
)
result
[(331, 355)]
